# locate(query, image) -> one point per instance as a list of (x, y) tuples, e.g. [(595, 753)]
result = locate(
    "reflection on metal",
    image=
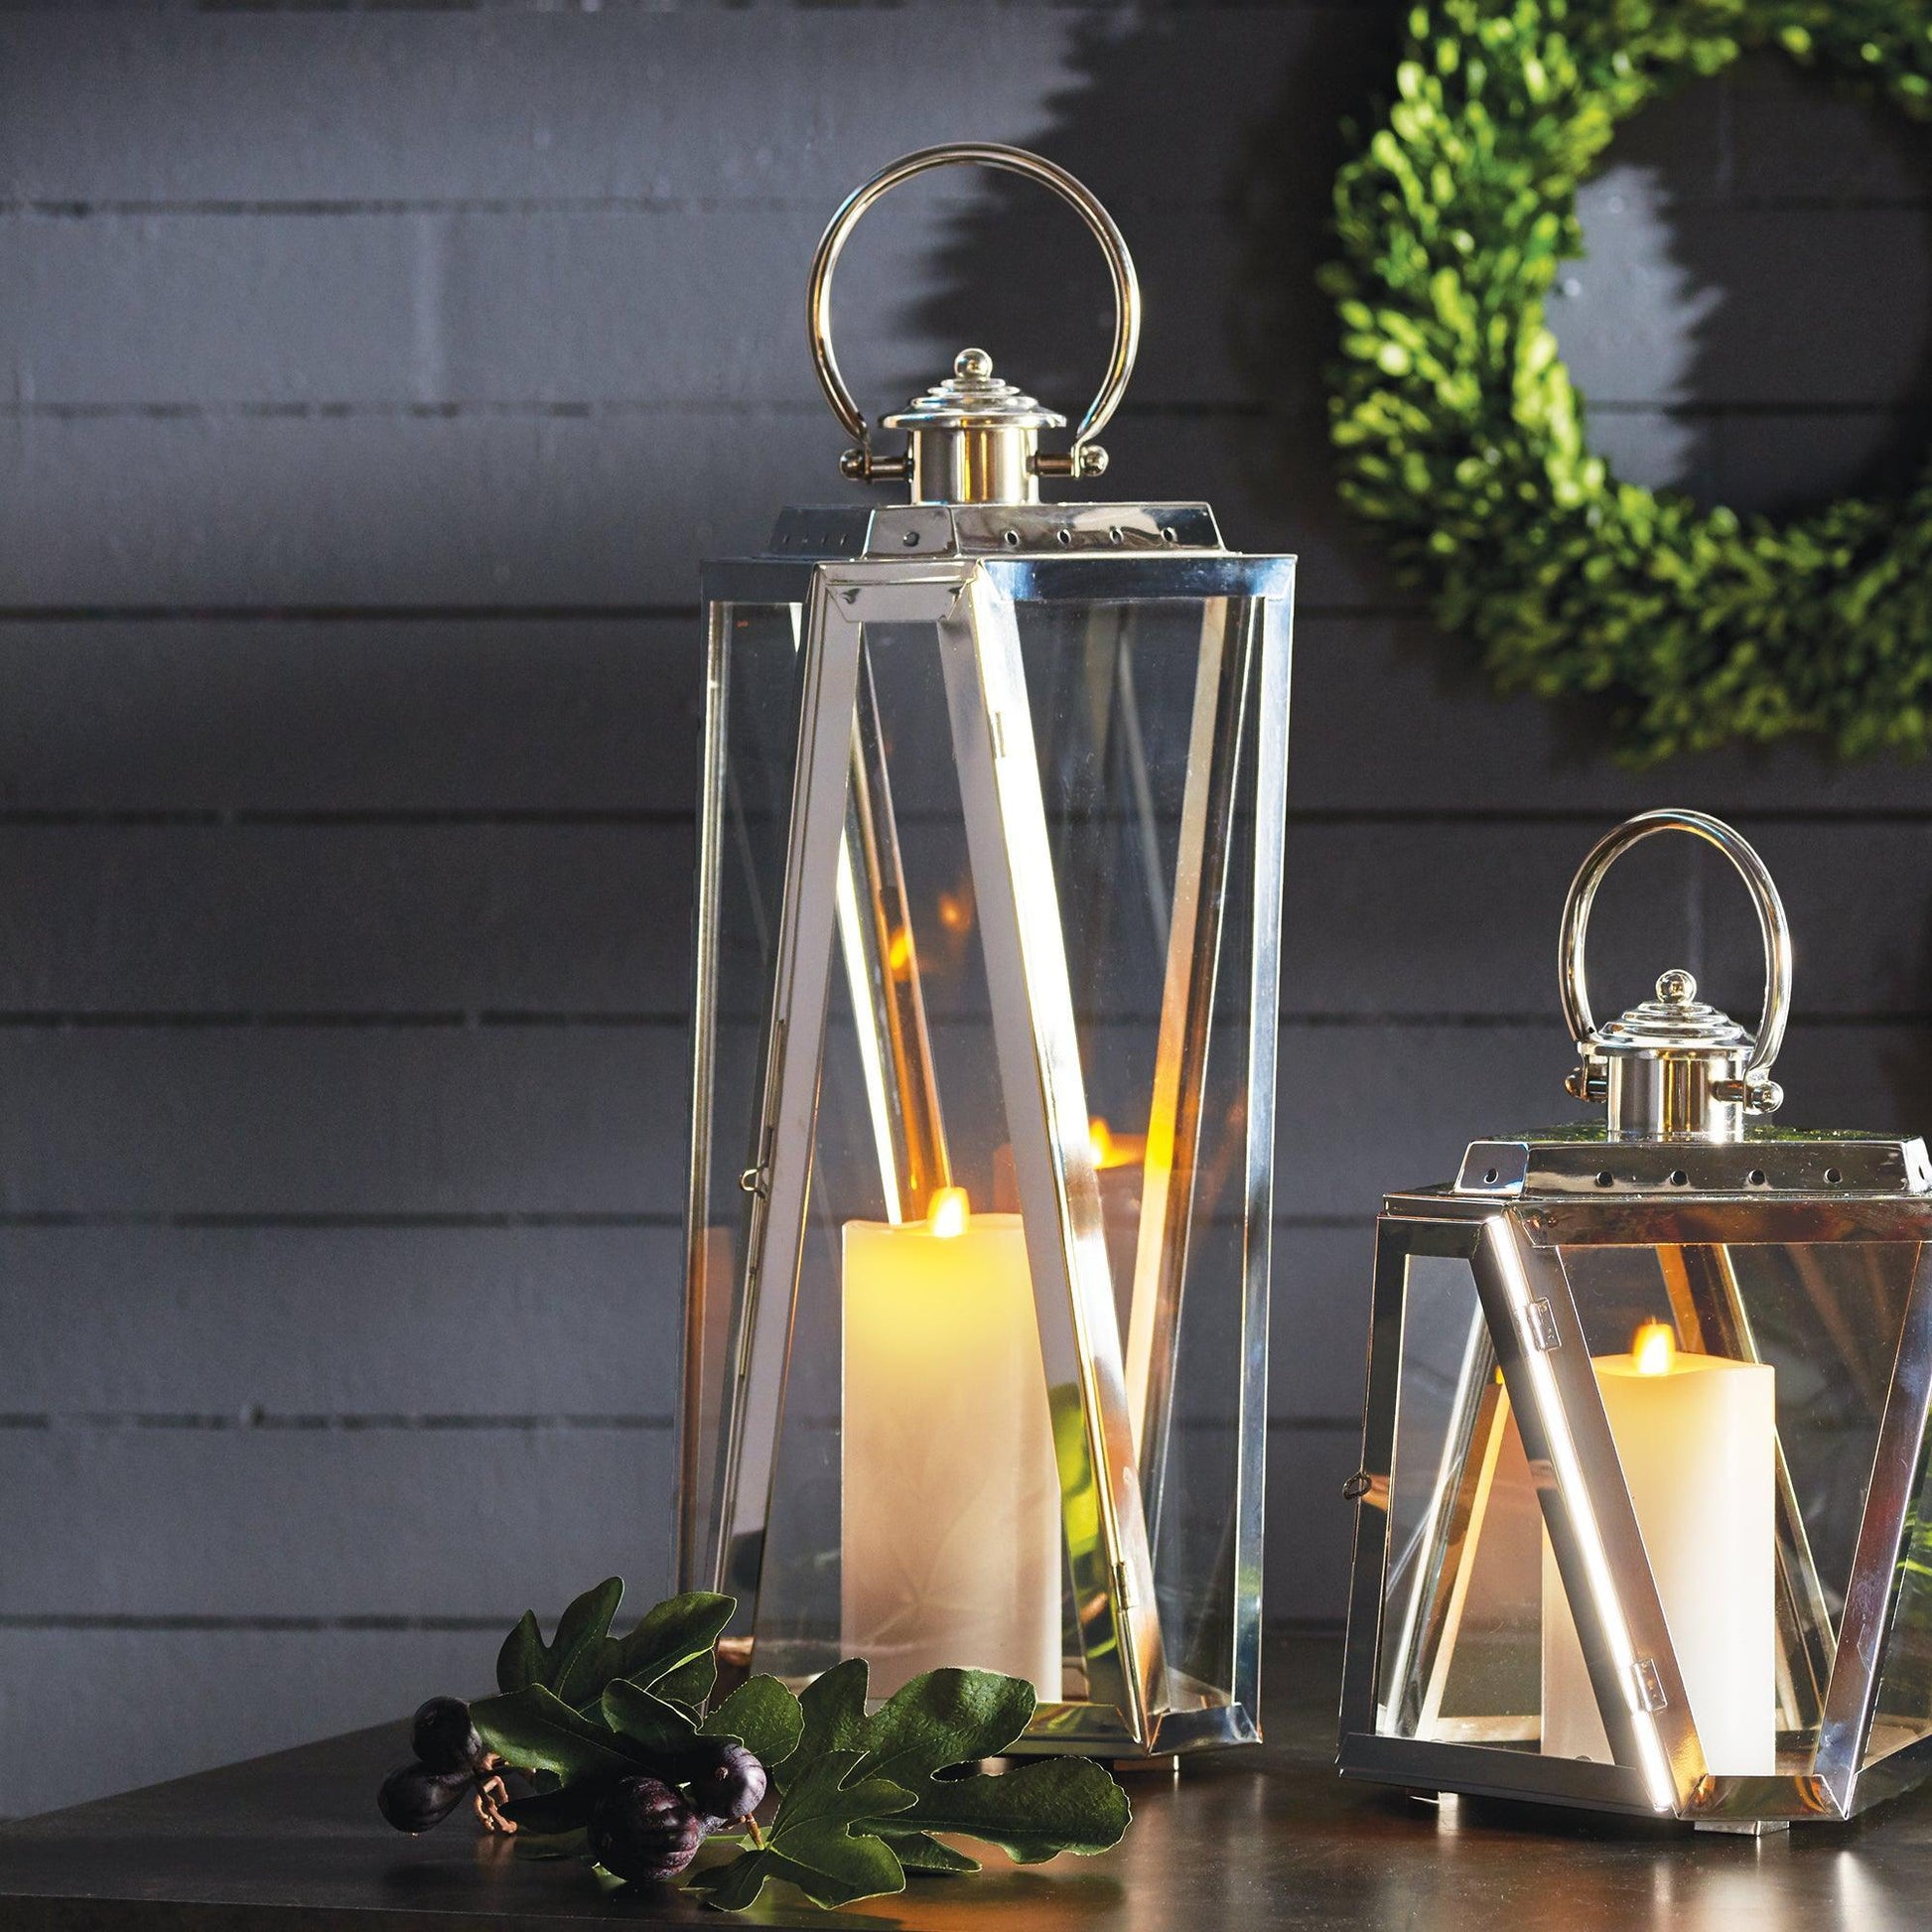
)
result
[(1046, 1115), (976, 453), (882, 957), (942, 749), (1228, 637), (1804, 1251), (958, 591)]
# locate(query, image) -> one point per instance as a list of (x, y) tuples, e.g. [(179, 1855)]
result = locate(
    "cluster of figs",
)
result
[(647, 1825)]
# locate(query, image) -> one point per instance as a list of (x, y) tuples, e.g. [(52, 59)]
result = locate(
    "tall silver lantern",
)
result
[(1644, 1504), (983, 1106)]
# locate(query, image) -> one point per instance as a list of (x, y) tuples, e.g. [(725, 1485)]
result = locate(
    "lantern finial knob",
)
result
[(1676, 988), (973, 363)]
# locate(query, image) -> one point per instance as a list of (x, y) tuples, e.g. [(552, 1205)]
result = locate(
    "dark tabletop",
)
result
[(1267, 1837)]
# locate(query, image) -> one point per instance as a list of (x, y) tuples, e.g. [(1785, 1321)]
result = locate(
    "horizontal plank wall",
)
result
[(375, 383)]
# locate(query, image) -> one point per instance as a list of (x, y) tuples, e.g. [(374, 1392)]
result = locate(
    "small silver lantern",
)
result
[(1643, 1494), (983, 1101)]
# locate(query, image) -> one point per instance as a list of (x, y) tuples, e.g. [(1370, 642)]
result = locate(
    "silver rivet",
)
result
[(1755, 1177), (1064, 538), (1011, 539), (1114, 535), (910, 539), (1832, 1176)]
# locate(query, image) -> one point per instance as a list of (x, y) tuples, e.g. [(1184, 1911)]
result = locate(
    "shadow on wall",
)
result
[(1752, 322), (1227, 228)]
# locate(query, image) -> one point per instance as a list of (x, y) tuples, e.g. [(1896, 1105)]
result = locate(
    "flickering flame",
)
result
[(948, 1213), (955, 911), (1654, 1349), (898, 952), (1111, 1150)]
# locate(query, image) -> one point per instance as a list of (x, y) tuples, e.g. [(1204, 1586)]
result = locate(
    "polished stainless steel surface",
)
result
[(1672, 1070), (968, 1047), (960, 584), (1766, 1248), (992, 455), (1581, 1159)]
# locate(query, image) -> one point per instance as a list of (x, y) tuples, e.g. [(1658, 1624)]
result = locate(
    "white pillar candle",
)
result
[(1696, 1434), (952, 1508)]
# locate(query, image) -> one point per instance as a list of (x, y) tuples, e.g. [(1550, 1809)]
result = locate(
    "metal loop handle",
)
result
[(1771, 923), (1015, 161)]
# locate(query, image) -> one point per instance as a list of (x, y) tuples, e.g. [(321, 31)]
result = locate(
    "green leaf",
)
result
[(762, 1716), (919, 1852), (519, 1663), (834, 1710), (674, 1637), (820, 1841), (943, 1718), (546, 1813), (1042, 1807), (582, 1634), (534, 1729), (669, 1651), (657, 1728), (568, 1662)]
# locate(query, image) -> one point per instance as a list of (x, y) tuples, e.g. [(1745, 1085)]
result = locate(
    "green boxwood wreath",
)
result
[(1461, 434)]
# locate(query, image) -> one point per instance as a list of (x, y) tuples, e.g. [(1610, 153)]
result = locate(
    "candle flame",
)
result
[(1111, 1150), (1654, 1349), (898, 952), (948, 1213)]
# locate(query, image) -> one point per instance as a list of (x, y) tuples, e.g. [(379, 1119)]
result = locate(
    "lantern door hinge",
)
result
[(1649, 1686), (1538, 1321)]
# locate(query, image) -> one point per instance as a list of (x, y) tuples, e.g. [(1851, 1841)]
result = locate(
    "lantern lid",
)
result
[(1676, 1022), (973, 397)]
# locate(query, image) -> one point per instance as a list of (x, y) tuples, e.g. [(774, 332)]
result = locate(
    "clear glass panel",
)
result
[(1744, 1384), (1460, 1654), (752, 732), (1903, 1712), (1748, 1425), (915, 1506)]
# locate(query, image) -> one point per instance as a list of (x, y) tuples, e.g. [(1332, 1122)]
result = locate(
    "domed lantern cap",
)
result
[(1675, 1021), (1675, 1067)]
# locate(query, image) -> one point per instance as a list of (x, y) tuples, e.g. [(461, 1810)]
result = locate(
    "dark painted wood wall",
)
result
[(375, 385)]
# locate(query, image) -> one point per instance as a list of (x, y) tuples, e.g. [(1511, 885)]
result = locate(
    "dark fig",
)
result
[(445, 1738), (726, 1783), (643, 1829), (413, 1797)]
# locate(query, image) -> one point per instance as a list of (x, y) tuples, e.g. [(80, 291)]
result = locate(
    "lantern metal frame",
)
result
[(962, 570), (1516, 1208)]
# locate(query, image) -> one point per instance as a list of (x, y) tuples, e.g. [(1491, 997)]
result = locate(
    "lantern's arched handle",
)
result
[(1086, 457), (1772, 926)]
